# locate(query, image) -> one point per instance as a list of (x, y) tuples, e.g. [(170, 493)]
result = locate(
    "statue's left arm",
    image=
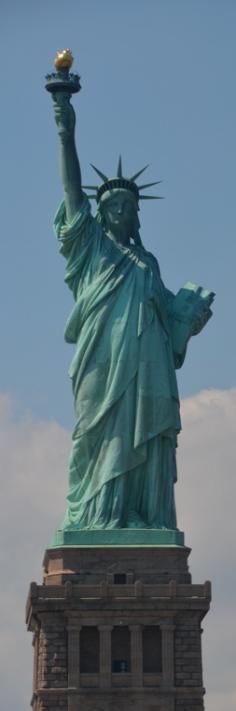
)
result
[(188, 313)]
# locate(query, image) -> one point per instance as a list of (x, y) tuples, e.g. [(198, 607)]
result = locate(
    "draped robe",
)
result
[(122, 466)]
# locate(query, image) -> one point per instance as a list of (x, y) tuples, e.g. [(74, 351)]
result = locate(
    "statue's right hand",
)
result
[(64, 115)]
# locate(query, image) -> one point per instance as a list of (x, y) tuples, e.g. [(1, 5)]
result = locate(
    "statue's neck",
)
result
[(119, 236)]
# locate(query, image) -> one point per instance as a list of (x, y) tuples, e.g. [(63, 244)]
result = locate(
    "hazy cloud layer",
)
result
[(34, 464)]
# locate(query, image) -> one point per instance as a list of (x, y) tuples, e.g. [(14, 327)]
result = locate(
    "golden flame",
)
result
[(63, 59)]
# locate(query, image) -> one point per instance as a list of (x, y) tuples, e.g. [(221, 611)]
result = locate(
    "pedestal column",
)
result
[(136, 655), (36, 655), (73, 629), (167, 654), (105, 655)]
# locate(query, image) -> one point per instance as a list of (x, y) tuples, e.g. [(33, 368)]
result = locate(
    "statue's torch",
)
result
[(63, 80)]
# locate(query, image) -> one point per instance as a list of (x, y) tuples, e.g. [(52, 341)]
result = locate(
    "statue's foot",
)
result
[(135, 521)]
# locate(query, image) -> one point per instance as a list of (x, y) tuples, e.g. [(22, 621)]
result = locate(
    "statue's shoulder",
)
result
[(151, 260)]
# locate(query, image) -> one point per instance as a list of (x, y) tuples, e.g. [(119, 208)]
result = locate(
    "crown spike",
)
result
[(134, 177), (90, 187), (119, 169), (101, 175), (148, 185), (150, 197)]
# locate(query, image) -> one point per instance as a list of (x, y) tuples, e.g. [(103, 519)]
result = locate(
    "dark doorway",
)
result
[(89, 650), (152, 656), (120, 649)]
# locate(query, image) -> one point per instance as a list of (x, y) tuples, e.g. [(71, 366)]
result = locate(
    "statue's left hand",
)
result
[(201, 321)]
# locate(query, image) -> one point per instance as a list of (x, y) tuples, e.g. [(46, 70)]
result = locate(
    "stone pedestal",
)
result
[(117, 628)]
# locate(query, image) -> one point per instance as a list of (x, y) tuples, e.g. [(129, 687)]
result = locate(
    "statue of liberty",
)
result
[(130, 334)]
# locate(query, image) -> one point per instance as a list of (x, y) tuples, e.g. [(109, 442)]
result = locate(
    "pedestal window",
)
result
[(89, 650), (152, 650), (120, 650)]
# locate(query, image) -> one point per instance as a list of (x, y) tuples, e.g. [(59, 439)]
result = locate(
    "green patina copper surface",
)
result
[(130, 334), (129, 537)]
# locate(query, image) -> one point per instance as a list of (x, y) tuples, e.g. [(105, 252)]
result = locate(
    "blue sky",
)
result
[(158, 86)]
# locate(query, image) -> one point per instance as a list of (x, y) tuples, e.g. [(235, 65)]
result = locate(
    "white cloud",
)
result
[(206, 464), (222, 700), (206, 495), (34, 464), (33, 489)]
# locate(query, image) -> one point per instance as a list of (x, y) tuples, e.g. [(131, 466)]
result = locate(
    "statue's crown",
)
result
[(121, 183)]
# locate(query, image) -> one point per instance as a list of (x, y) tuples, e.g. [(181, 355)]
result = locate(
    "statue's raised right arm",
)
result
[(69, 162)]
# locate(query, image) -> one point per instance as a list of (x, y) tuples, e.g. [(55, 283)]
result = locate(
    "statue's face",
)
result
[(119, 211)]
